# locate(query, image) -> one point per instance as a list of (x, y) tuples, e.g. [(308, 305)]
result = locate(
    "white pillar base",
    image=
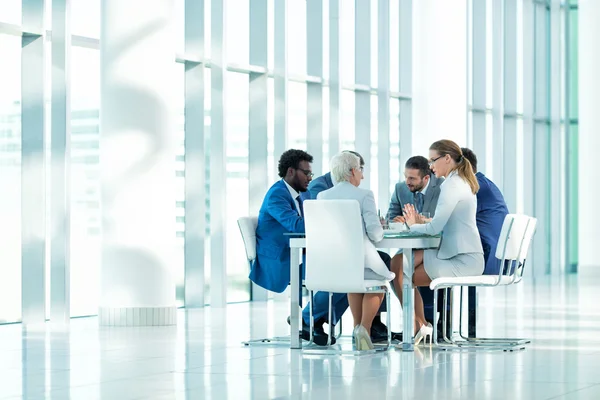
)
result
[(138, 316)]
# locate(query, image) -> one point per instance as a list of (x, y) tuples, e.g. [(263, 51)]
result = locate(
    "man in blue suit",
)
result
[(491, 211), (282, 212)]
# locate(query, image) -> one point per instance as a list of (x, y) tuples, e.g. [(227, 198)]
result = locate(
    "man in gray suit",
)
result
[(422, 189)]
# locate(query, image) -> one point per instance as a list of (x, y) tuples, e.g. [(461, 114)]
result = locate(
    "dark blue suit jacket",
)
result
[(319, 184), (277, 215), (491, 211)]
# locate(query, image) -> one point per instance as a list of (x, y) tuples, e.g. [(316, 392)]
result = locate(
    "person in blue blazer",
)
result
[(491, 211), (322, 183), (282, 212)]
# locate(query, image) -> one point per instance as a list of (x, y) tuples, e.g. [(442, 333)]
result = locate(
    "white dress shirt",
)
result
[(294, 196)]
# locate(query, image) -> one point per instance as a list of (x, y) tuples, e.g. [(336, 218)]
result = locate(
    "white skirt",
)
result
[(467, 264)]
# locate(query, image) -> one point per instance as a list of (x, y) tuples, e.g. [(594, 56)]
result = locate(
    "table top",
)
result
[(387, 234)]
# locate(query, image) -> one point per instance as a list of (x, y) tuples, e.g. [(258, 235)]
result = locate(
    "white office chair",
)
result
[(511, 252), (335, 255), (247, 227)]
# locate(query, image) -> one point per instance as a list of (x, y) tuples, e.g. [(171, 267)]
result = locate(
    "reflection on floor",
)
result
[(202, 358)]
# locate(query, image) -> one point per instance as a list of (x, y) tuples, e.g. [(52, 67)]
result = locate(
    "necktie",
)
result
[(419, 202), (300, 205)]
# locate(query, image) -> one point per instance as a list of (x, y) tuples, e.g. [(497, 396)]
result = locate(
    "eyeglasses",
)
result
[(306, 172), (433, 160)]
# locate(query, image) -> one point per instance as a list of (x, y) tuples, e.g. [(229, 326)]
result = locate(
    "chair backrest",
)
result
[(247, 227), (527, 239), (513, 244), (335, 250)]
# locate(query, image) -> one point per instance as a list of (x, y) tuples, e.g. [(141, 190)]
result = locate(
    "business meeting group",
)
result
[(441, 194)]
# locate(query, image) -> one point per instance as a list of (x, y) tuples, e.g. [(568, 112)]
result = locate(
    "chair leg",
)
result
[(435, 316), (388, 317), (460, 326), (486, 341), (471, 343), (329, 319), (312, 319), (340, 329), (445, 316)]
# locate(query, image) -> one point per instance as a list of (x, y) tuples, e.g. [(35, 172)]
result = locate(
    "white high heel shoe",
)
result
[(362, 339), (425, 332)]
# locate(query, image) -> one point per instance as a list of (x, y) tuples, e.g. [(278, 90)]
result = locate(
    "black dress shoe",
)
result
[(319, 335), (379, 333)]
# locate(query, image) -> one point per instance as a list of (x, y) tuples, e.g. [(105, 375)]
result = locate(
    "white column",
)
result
[(314, 88), (137, 163), (218, 173), (479, 77), (405, 78), (195, 156), (335, 87), (60, 216), (508, 151), (362, 78), (440, 73), (33, 170), (557, 167), (498, 77), (258, 140), (383, 104), (589, 126)]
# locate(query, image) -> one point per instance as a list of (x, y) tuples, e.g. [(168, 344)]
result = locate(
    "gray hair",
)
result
[(341, 166)]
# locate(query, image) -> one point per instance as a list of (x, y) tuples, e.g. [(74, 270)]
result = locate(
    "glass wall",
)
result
[(522, 84), (514, 88)]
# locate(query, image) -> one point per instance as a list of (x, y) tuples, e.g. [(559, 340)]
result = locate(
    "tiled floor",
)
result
[(202, 357)]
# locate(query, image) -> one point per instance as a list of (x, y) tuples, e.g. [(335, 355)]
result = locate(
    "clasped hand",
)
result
[(411, 217)]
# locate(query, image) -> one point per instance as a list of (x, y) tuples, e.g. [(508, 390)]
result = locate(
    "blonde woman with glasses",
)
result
[(460, 252)]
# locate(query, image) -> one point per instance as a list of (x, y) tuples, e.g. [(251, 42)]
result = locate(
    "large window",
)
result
[(10, 11), (518, 100), (10, 176), (237, 184), (297, 115), (85, 18)]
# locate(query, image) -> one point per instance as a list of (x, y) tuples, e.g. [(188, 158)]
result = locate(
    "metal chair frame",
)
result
[(463, 342)]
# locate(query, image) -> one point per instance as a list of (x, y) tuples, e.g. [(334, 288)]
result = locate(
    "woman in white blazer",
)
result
[(460, 252), (347, 172)]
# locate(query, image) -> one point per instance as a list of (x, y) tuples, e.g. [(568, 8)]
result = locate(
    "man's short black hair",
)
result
[(469, 155), (362, 160), (292, 159), (420, 163)]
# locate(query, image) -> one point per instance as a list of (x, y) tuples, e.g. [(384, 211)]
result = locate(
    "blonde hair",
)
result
[(464, 169)]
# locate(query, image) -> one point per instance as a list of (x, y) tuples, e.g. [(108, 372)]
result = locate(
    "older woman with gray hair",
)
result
[(346, 170)]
